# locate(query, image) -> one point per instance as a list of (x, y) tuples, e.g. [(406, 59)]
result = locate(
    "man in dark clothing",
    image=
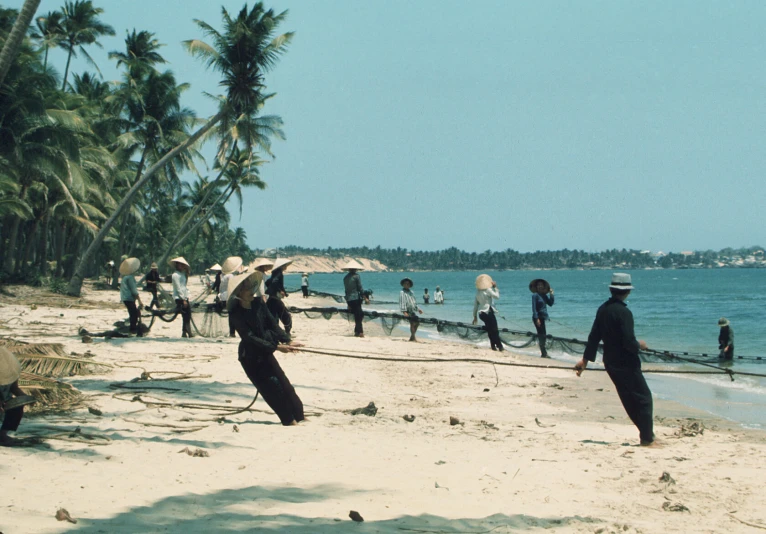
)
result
[(352, 285), (542, 297), (614, 325), (275, 289), (726, 339), (152, 279)]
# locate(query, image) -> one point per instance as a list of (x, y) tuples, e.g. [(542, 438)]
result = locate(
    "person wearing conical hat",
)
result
[(129, 291), (10, 371), (215, 287), (409, 306), (152, 283), (230, 267), (181, 293), (263, 265), (260, 338), (352, 283), (614, 326), (542, 297), (109, 266), (305, 285), (484, 305), (275, 289), (725, 339)]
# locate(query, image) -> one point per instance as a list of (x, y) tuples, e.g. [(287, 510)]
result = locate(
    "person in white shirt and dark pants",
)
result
[(484, 305)]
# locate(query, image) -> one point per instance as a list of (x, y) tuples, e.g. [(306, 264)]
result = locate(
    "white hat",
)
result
[(236, 283), (10, 368), (215, 267), (483, 281), (263, 263), (129, 266), (621, 281), (231, 264), (281, 262), (352, 265), (179, 259)]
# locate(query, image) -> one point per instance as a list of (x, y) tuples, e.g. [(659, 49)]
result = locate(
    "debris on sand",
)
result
[(63, 515), (666, 478), (690, 430), (196, 453), (354, 515), (674, 507), (454, 421), (542, 425), (408, 418), (369, 410)]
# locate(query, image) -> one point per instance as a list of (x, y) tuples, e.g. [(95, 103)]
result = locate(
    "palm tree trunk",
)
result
[(60, 239), (66, 70), (24, 259), (14, 235), (126, 216), (16, 37), (75, 284)]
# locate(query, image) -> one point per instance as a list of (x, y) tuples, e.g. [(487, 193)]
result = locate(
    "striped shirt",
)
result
[(407, 302)]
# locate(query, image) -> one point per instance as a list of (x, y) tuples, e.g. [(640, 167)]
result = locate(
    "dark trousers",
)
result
[(636, 398), (232, 330), (155, 301), (541, 336), (185, 316), (279, 311), (490, 325), (268, 377), (305, 290), (355, 307), (12, 419), (134, 314)]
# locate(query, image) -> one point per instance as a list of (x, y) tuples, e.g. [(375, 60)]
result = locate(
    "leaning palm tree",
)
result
[(49, 32), (81, 27), (246, 49), (12, 44)]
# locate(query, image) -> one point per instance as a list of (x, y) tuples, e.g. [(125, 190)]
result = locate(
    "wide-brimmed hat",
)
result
[(129, 266), (215, 267), (723, 321), (281, 262), (263, 263), (306, 274), (483, 281), (352, 265), (154, 265), (10, 368), (406, 279), (181, 260), (231, 264), (235, 284), (533, 285), (621, 281)]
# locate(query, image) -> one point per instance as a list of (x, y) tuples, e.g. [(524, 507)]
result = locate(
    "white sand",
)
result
[(498, 471)]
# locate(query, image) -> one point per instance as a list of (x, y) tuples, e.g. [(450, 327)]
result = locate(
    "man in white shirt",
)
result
[(409, 306), (484, 304)]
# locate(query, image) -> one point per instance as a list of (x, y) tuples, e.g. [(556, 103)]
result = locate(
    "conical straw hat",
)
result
[(215, 267), (353, 264), (179, 259), (129, 266), (236, 283), (281, 262), (483, 281), (231, 264), (10, 368), (533, 285), (263, 263)]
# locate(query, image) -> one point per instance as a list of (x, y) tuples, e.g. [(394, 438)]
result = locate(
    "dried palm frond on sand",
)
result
[(50, 359), (52, 395)]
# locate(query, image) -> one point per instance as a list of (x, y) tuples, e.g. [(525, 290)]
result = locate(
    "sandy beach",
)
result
[(535, 450)]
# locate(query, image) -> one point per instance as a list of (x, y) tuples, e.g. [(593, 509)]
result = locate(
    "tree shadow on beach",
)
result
[(238, 510)]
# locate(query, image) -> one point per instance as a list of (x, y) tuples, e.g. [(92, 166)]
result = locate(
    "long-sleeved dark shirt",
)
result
[(259, 331), (276, 284), (151, 279), (217, 283), (352, 283), (614, 326), (540, 305), (726, 337)]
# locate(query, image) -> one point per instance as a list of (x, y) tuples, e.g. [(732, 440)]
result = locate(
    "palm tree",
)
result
[(248, 47), (140, 53), (12, 44), (49, 32), (81, 27)]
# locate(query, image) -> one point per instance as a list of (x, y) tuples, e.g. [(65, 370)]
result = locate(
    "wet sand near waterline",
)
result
[(539, 450)]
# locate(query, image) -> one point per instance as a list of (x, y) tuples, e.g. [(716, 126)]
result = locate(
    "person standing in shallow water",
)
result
[(409, 307), (426, 297), (726, 339), (484, 305), (614, 325), (542, 297)]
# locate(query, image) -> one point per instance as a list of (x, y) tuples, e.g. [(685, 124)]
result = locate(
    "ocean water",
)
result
[(675, 310)]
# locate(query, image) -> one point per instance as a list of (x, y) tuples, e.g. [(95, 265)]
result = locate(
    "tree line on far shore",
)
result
[(91, 171), (453, 259)]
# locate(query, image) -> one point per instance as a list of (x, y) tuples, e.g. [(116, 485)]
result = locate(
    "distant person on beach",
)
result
[(260, 337), (725, 339), (354, 294), (275, 289), (152, 283), (426, 297), (215, 287), (614, 326), (230, 266), (129, 292), (409, 306), (10, 371), (305, 285), (542, 297), (438, 296), (109, 272), (181, 293), (484, 306)]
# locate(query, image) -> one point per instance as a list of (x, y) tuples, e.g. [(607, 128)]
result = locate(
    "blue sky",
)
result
[(497, 124)]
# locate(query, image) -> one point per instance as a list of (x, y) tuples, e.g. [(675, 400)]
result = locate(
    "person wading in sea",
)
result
[(542, 297), (614, 325)]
